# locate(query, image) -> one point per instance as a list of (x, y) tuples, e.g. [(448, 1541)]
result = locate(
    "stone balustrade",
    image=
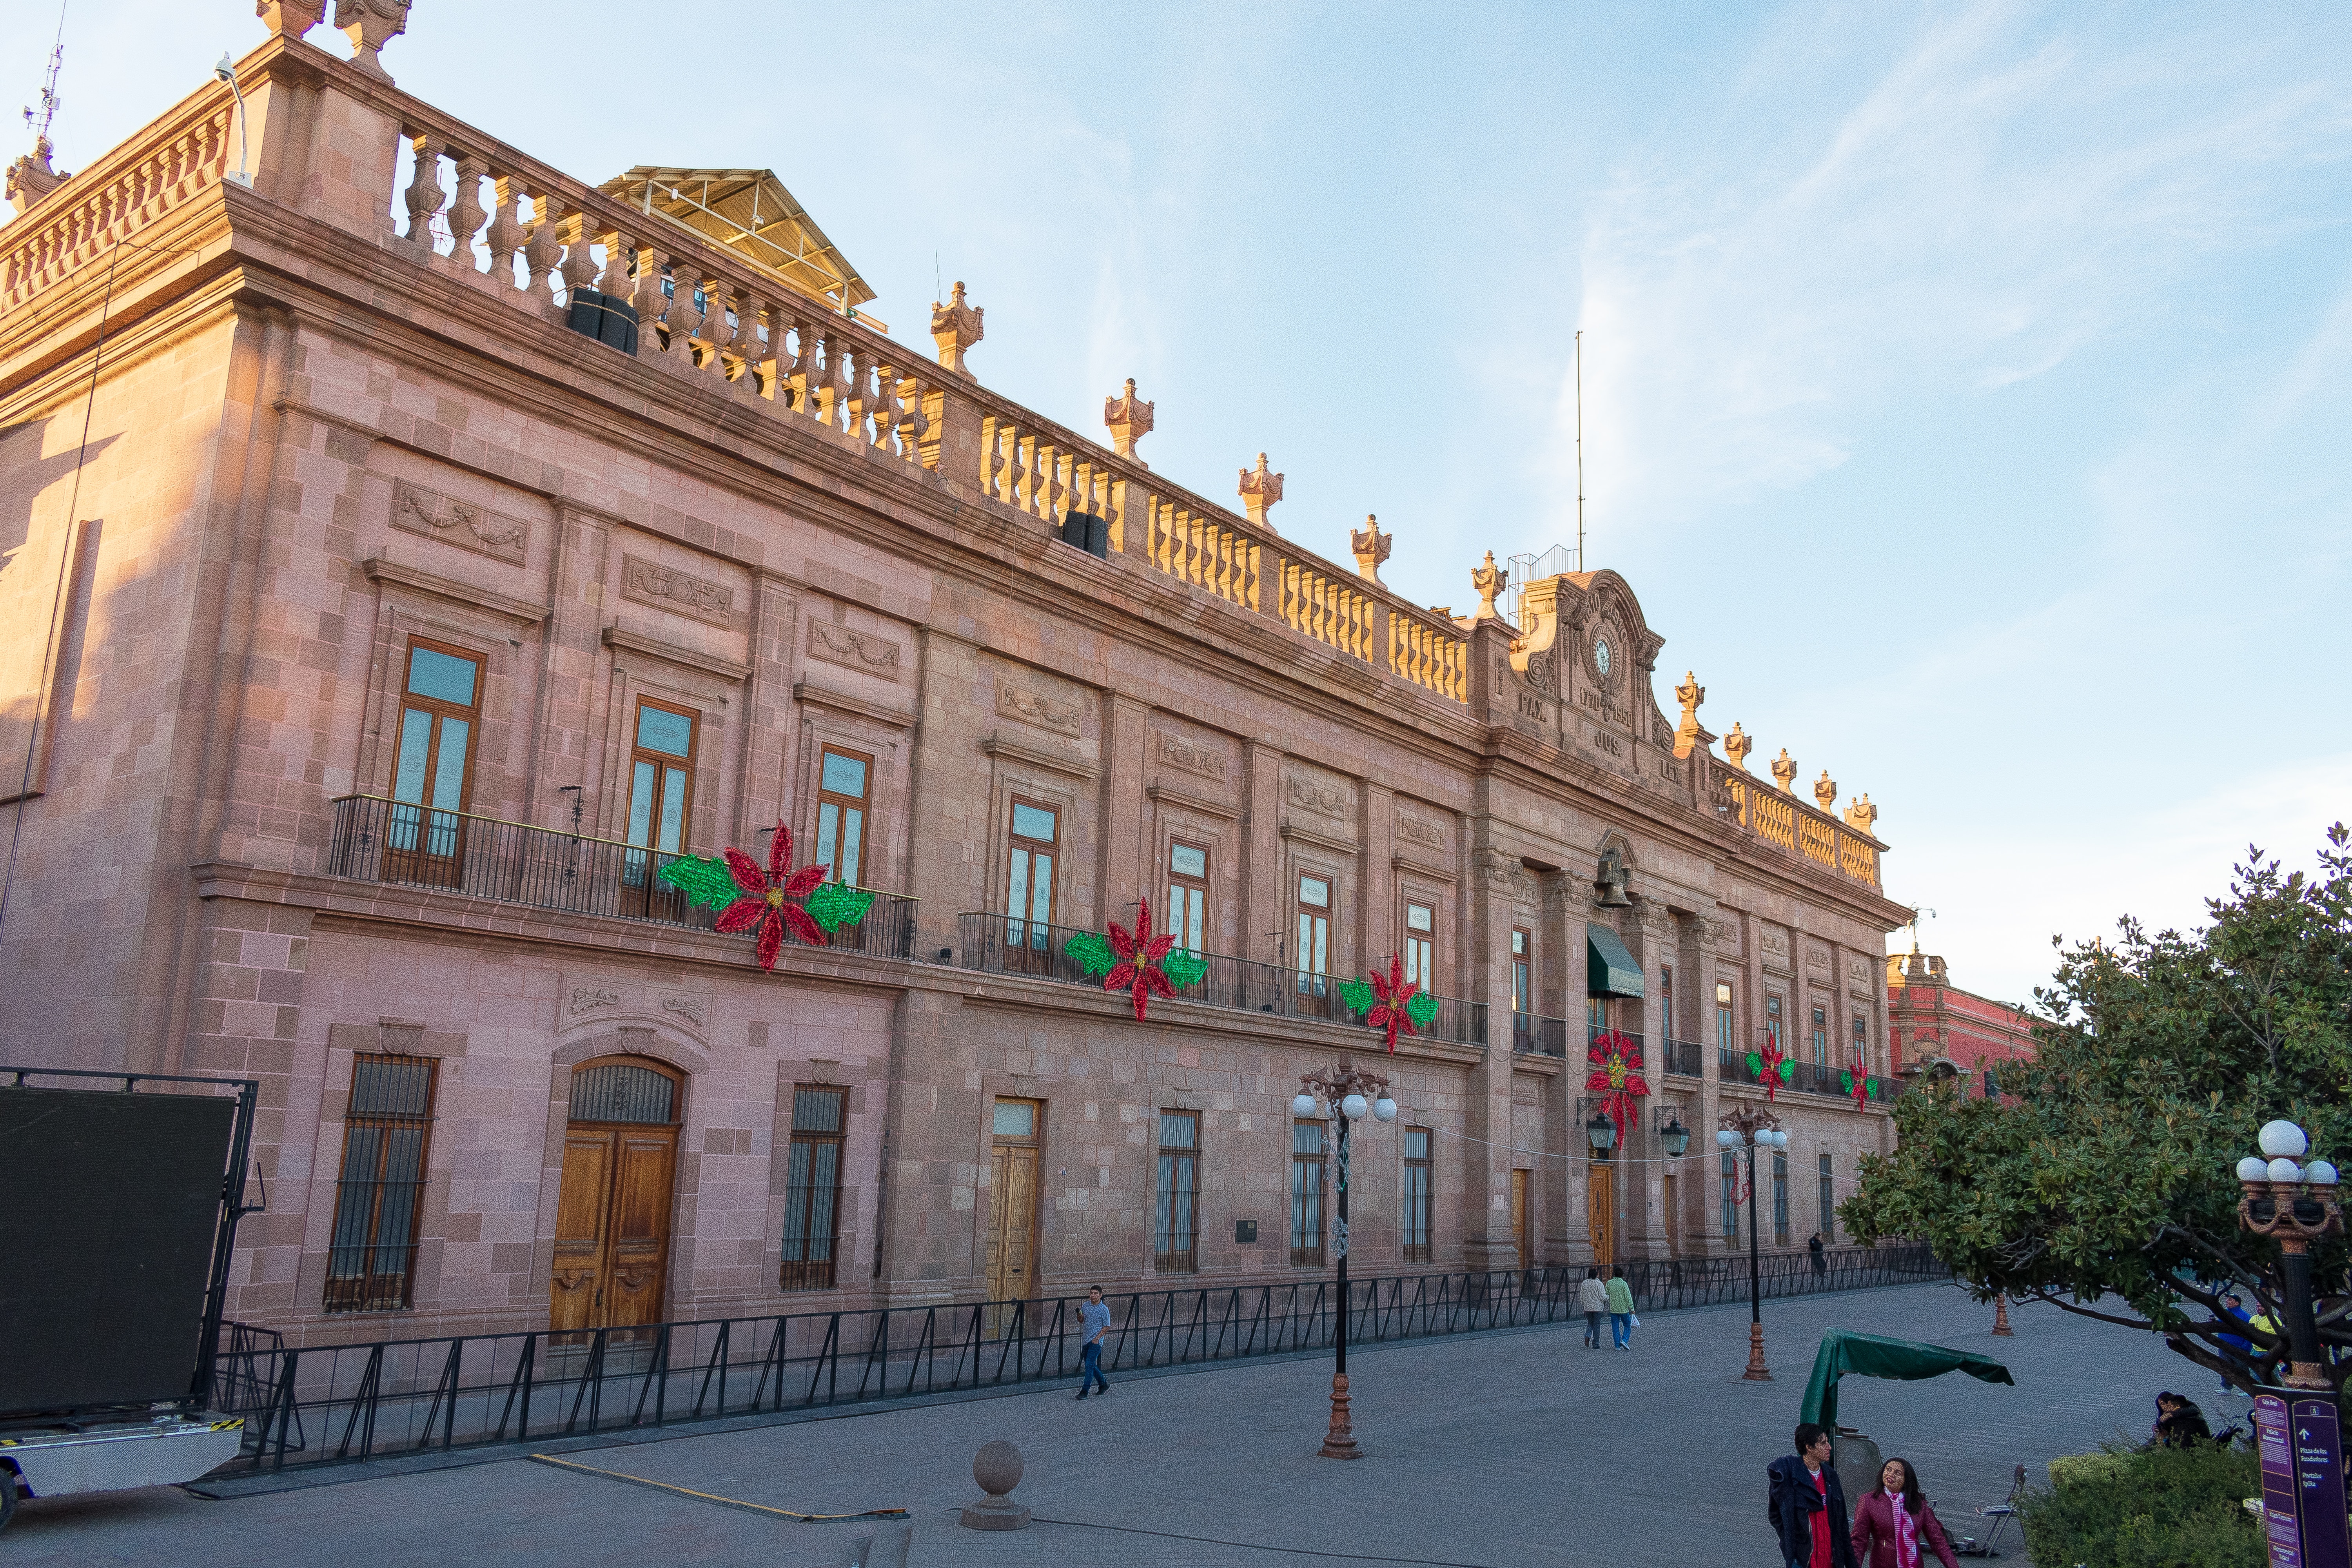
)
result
[(1791, 826)]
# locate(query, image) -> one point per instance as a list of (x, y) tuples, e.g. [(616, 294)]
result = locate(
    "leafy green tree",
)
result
[(2104, 1181)]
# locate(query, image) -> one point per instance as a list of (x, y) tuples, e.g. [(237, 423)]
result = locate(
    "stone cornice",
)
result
[(376, 569), (710, 664), (809, 694), (1000, 744), (1177, 797)]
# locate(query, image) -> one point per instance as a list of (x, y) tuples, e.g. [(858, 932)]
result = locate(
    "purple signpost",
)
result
[(2319, 1484), (2279, 1514)]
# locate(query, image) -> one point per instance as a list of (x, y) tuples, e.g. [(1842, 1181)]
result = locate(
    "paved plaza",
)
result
[(1496, 1450)]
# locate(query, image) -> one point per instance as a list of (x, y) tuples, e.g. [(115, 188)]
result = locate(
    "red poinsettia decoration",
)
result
[(1391, 1002), (1138, 972), (1771, 1066), (769, 899), (1616, 1077)]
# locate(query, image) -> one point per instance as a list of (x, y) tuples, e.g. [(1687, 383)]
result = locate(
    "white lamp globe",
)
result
[(1354, 1107), (1385, 1108), (1302, 1104), (2282, 1140), (1726, 1139), (2254, 1168), (2285, 1171), (1780, 1140), (2319, 1173)]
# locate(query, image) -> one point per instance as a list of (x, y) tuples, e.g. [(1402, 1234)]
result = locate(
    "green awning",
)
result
[(1873, 1355), (1610, 970)]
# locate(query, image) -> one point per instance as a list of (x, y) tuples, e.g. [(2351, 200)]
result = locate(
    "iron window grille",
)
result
[(1416, 1215), (1781, 1199), (813, 1188), (619, 1092), (1306, 1195), (380, 1194), (1176, 1207)]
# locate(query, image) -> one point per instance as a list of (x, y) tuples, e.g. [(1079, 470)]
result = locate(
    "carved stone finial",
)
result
[(1860, 813), (1489, 580), (955, 327), (1825, 791), (30, 177), (1784, 771), (290, 18), (1690, 694), (370, 25), (1371, 547), (1128, 418), (1260, 490), (1736, 745)]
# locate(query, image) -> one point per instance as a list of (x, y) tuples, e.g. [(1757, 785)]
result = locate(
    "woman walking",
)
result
[(1894, 1526)]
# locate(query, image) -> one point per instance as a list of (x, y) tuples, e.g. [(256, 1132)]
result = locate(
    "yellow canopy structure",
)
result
[(750, 212)]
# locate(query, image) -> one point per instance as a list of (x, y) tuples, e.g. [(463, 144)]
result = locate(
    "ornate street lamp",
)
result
[(1347, 1092), (2295, 1205), (1753, 1127), (1674, 1137), (1601, 1133)]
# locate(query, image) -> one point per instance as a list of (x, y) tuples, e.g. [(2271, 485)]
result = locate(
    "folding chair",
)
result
[(2000, 1513)]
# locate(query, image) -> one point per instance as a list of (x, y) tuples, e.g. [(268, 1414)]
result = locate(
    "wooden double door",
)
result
[(1015, 1150), (613, 1218), (1600, 1211)]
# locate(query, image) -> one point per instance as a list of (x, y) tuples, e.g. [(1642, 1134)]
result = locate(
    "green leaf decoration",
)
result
[(837, 904), (1755, 1064), (1845, 1081), (1356, 996), (1092, 950), (1422, 1009), (704, 879), (1183, 968), (1788, 1072)]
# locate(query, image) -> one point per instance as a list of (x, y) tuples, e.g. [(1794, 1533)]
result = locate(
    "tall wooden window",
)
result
[(1306, 1194), (1596, 1017), (1420, 945), (1772, 1021), (1188, 895), (379, 1196), (1781, 1197), (1176, 1202), (1523, 988), (812, 1187), (1726, 1033), (1829, 1200), (661, 793), (1416, 1216), (843, 779), (1667, 1002), (1861, 1044), (1029, 886), (433, 767), (1821, 1037), (1730, 1194), (1314, 956)]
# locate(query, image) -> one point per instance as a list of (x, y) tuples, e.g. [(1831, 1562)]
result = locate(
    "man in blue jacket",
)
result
[(1808, 1506)]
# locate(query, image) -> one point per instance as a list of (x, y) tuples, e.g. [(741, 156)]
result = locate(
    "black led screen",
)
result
[(108, 1206)]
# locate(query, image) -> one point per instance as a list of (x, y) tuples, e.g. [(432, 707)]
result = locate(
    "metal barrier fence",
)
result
[(1006, 944), (320, 1405), (379, 840)]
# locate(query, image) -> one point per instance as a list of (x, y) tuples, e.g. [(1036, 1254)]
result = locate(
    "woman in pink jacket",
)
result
[(1894, 1526)]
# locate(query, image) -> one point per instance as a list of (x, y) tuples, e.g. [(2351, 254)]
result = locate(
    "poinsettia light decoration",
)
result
[(1771, 1066), (1389, 1002), (772, 901), (1616, 1076), (1140, 963)]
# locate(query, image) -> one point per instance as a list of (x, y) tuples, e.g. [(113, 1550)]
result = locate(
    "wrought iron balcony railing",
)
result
[(1004, 945), (379, 840), (1680, 1056)]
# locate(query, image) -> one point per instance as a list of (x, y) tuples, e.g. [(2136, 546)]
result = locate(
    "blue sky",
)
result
[(1966, 387)]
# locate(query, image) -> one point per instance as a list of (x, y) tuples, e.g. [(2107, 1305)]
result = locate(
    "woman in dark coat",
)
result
[(1894, 1526), (2179, 1422)]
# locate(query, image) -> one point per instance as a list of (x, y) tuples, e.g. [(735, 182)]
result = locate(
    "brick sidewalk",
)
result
[(1498, 1450)]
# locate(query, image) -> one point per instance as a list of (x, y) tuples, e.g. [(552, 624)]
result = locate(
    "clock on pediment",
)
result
[(1605, 655)]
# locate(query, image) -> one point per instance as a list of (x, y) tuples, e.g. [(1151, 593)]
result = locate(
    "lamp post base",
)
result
[(1757, 1370), (1339, 1442), (2001, 1318), (2307, 1374)]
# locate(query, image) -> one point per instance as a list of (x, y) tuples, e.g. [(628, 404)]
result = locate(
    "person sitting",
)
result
[(2179, 1422)]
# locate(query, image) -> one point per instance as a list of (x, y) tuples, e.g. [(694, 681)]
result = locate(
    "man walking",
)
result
[(1593, 1297), (1808, 1505), (1093, 1322), (1621, 1310)]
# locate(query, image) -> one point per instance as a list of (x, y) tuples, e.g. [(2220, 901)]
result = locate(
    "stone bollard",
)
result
[(997, 1469)]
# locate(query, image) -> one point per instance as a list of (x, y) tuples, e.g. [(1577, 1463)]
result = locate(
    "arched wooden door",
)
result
[(612, 1220)]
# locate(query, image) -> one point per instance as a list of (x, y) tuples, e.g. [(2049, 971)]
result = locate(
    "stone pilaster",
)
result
[(770, 735), (1487, 1218), (1125, 731), (561, 749)]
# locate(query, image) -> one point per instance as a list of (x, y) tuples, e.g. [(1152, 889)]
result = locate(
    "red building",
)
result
[(1934, 1027)]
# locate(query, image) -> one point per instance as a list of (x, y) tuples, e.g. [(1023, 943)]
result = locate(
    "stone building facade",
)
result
[(454, 540), (1934, 1027)]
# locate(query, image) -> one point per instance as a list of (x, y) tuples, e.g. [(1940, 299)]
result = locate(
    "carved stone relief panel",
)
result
[(464, 524), (869, 653), (1192, 756), (1326, 797), (1421, 830), (690, 1008), (582, 1000), (1031, 707), (682, 593), (1817, 958), (1774, 942)]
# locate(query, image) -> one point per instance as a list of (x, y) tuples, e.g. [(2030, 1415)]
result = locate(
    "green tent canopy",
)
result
[(1875, 1355)]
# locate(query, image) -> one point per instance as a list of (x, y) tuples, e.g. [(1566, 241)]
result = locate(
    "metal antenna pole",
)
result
[(1580, 450)]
